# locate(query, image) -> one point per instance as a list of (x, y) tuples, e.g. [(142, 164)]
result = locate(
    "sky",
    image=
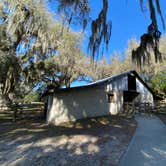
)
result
[(127, 21)]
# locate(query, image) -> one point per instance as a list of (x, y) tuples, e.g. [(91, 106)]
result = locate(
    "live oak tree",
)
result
[(98, 70), (29, 37), (23, 24), (67, 65)]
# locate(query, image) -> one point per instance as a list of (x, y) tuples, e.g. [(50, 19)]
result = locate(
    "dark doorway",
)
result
[(129, 96), (131, 83)]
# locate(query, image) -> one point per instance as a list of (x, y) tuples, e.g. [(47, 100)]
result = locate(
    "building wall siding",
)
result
[(92, 102), (118, 84), (78, 105), (145, 95), (117, 105)]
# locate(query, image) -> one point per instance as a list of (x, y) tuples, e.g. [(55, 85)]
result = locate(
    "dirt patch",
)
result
[(99, 141)]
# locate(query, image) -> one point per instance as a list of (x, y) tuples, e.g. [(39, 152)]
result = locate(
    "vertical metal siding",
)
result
[(118, 84)]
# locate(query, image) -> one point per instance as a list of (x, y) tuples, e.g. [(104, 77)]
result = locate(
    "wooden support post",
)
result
[(14, 108)]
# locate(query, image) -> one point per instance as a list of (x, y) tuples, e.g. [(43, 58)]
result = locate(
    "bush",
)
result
[(31, 97), (159, 83)]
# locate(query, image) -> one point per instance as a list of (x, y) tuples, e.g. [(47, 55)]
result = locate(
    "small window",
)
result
[(111, 98)]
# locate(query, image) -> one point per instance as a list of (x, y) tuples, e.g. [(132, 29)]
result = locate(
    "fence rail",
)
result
[(131, 108), (144, 107), (33, 110), (20, 111), (160, 107), (128, 110)]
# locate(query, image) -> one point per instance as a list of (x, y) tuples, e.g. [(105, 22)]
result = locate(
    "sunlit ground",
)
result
[(100, 141)]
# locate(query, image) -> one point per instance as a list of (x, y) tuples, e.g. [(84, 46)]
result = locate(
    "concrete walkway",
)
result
[(148, 146)]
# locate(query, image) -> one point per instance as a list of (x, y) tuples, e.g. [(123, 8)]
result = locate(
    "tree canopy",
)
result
[(101, 26), (152, 73), (33, 48), (36, 50), (159, 83)]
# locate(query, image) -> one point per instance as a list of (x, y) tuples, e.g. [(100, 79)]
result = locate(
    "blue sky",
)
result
[(127, 21)]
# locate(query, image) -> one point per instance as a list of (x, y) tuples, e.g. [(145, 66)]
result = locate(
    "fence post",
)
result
[(14, 107)]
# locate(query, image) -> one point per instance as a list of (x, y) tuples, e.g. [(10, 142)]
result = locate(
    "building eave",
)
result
[(100, 83)]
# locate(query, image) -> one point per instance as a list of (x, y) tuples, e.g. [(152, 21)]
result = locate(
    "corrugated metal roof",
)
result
[(99, 82), (106, 80), (109, 78)]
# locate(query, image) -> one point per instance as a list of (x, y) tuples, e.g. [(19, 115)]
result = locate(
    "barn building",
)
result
[(103, 97)]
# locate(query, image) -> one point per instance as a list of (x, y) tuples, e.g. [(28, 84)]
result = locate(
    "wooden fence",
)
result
[(128, 110), (36, 110), (21, 111), (160, 107), (157, 107), (144, 107)]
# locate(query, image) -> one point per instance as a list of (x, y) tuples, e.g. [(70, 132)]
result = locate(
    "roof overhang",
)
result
[(100, 83)]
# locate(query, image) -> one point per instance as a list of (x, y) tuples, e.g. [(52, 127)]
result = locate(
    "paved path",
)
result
[(148, 146)]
